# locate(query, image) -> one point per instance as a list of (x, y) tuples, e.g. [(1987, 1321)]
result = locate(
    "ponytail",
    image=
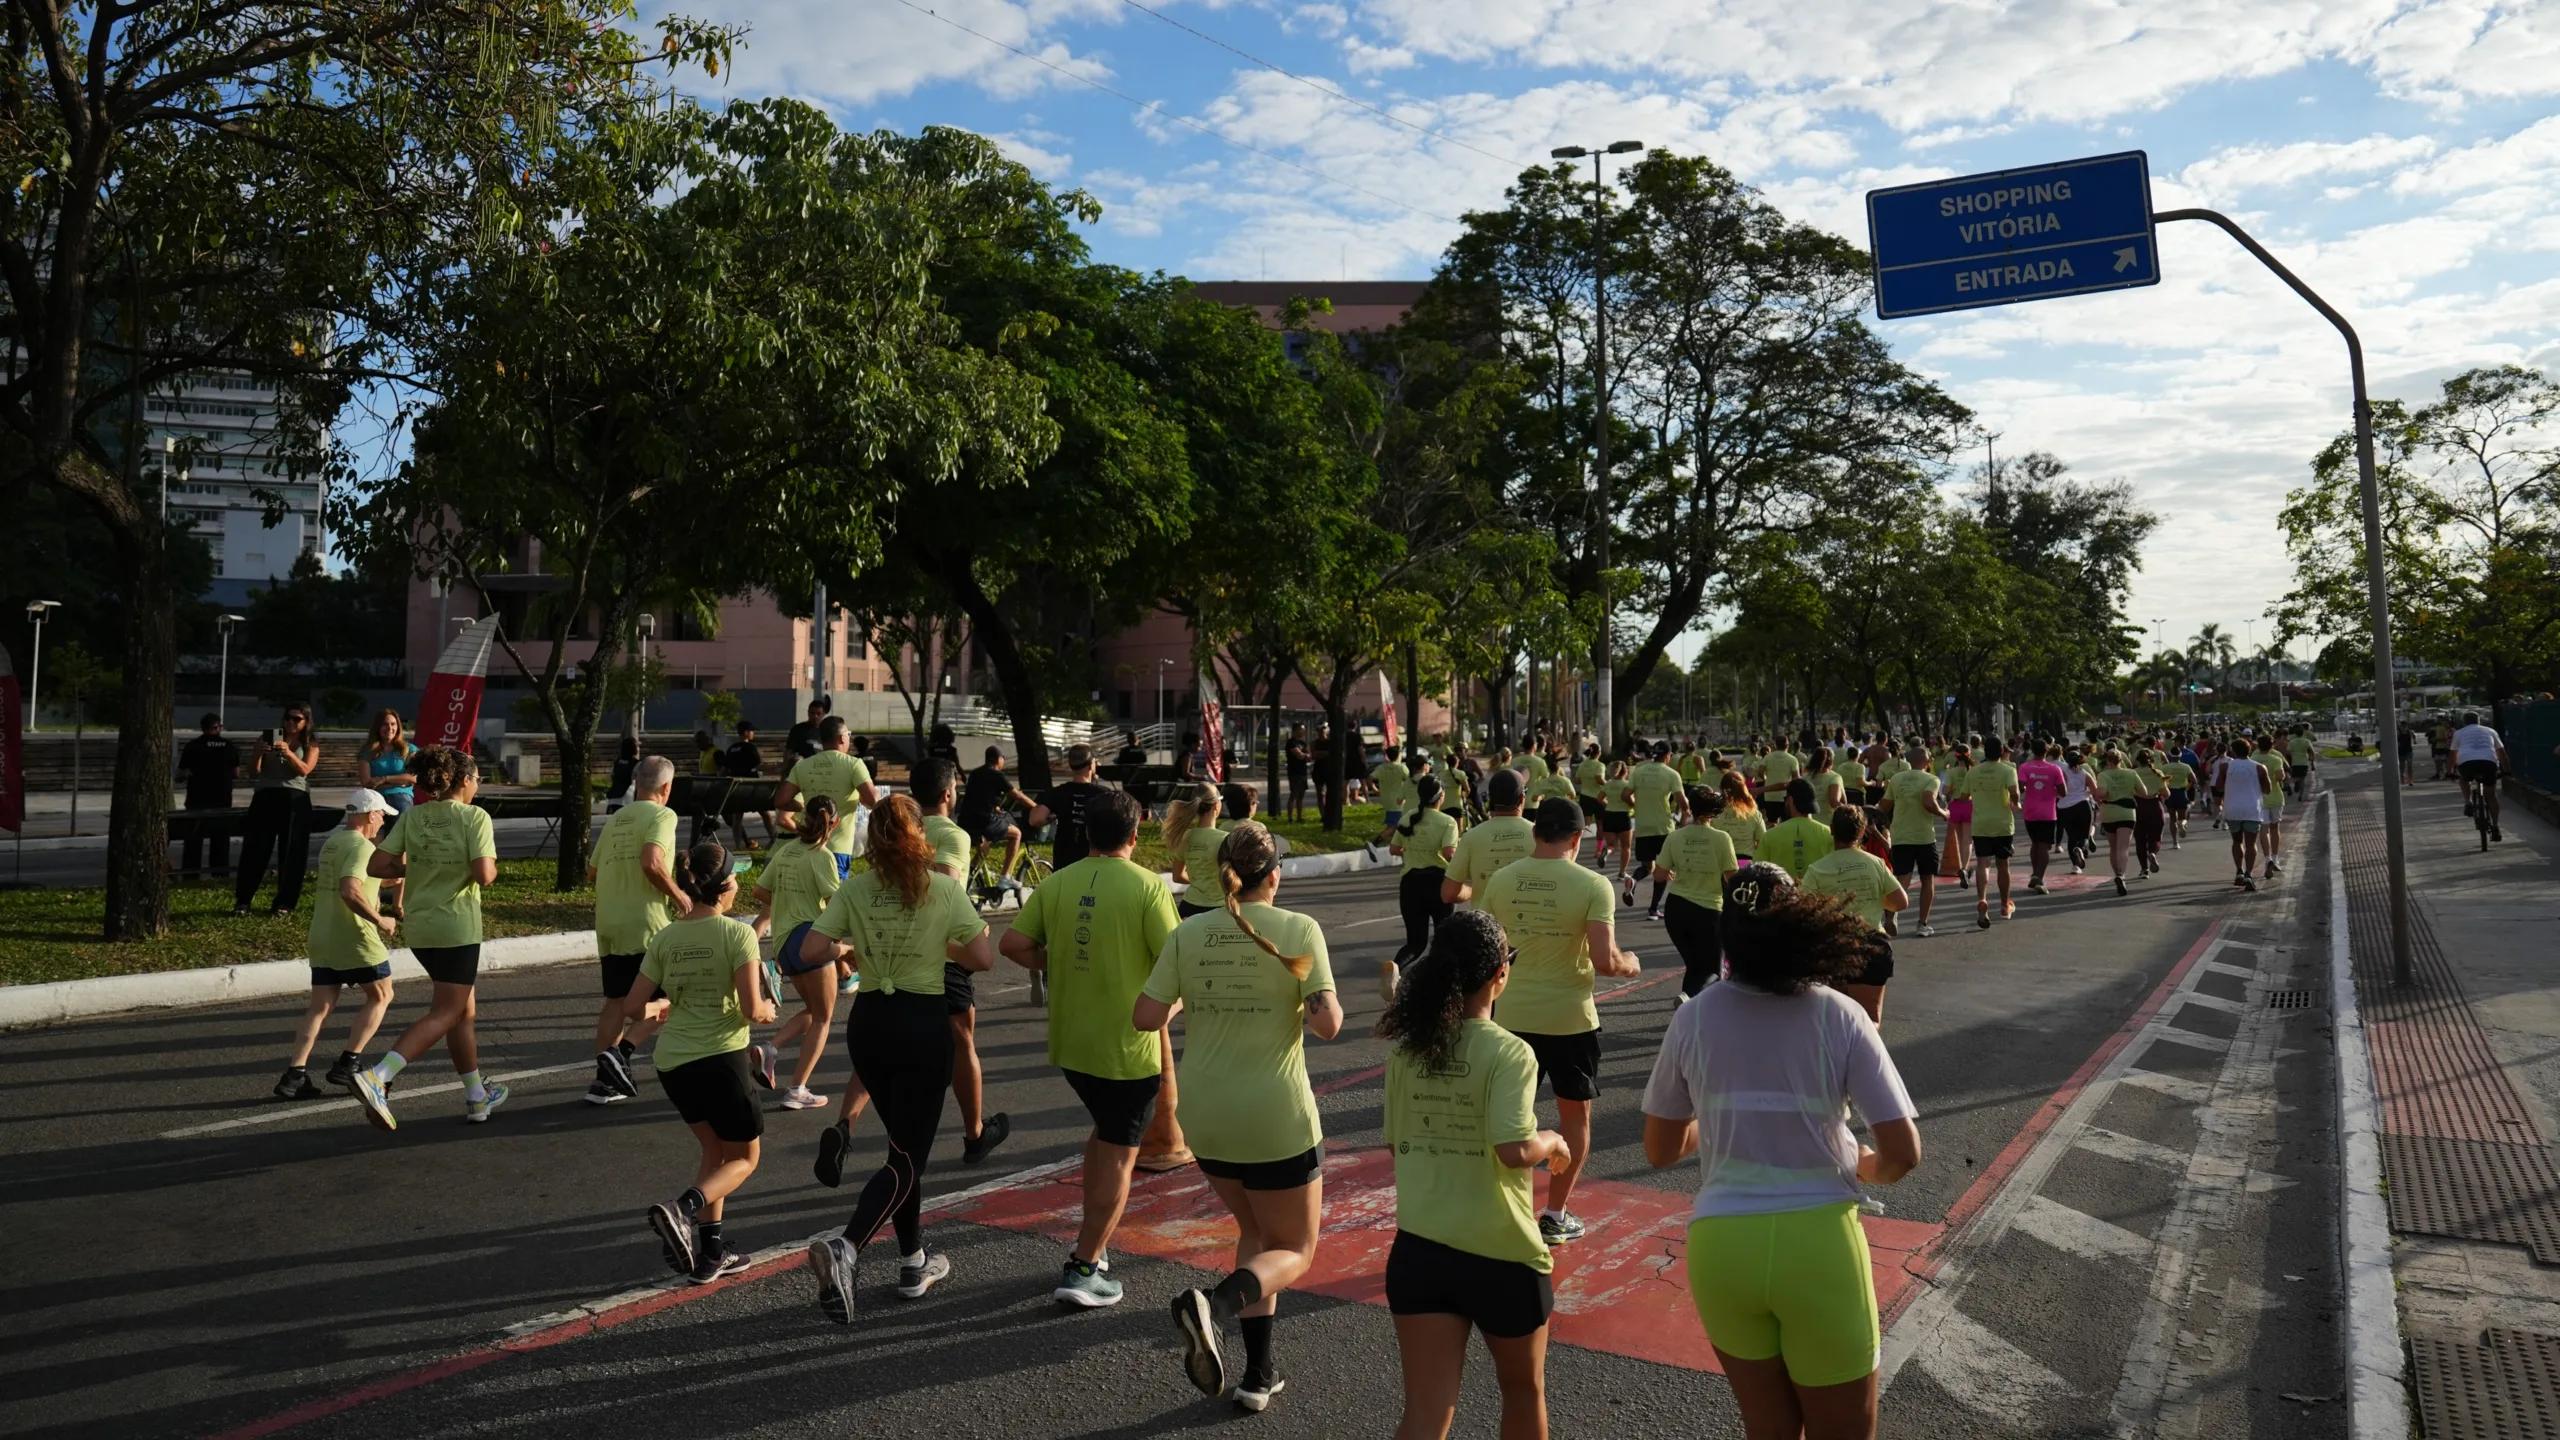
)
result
[(1246, 858), (1467, 951), (817, 820), (1426, 796), (898, 850), (1193, 811), (706, 874)]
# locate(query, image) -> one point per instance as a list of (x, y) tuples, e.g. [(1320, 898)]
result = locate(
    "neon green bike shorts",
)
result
[(1794, 1284)]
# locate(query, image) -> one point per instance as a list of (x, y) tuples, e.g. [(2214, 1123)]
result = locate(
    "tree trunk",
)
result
[(1021, 692), (1412, 695), (577, 803), (1346, 752), (138, 812)]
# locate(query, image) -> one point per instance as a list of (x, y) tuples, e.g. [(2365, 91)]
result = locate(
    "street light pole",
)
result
[(37, 610), (1604, 693), (222, 696)]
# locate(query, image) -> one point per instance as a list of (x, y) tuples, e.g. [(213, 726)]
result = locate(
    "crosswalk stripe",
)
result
[(2086, 1235), (2176, 1087), (1986, 1373), (2131, 1148)]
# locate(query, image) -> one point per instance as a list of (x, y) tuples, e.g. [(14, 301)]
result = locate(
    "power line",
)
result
[(1323, 89), (1157, 107)]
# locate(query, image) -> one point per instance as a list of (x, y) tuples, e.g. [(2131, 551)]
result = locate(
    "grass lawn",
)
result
[(53, 934)]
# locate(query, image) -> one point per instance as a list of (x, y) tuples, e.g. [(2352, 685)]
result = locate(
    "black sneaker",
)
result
[(719, 1265), (675, 1236), (832, 1143), (342, 1072), (991, 1133), (295, 1084), (1199, 1326), (613, 1072)]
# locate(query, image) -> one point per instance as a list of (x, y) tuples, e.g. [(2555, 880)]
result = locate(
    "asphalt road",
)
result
[(2161, 1261)]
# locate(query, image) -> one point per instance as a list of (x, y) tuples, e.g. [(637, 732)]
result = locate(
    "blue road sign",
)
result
[(2066, 229)]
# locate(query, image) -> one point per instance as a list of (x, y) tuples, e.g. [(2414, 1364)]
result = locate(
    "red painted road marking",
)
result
[(1624, 1290), (1926, 1259)]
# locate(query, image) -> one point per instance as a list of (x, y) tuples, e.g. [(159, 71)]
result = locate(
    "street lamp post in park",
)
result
[(37, 611), (1604, 697), (222, 696)]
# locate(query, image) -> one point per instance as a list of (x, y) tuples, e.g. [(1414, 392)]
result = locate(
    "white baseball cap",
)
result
[(367, 802)]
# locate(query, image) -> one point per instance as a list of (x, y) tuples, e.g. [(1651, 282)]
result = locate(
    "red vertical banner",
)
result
[(1387, 713), (1213, 729), (450, 709), (13, 749)]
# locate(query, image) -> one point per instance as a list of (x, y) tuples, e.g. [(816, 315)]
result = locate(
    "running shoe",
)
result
[(1928, 931), (376, 1100), (832, 1143), (675, 1236), (1626, 891), (2120, 890), (295, 1084), (479, 1111), (613, 1072), (849, 983), (1254, 1393), (761, 1060), (2241, 878), (2036, 887), (2494, 834), (836, 1265), (2008, 909), (801, 1097), (1387, 976), (991, 1133), (1560, 1227), (2248, 884), (720, 1266), (343, 1073), (1982, 916), (1087, 1287), (2273, 868), (1199, 1326), (600, 1093), (927, 1272), (1040, 989)]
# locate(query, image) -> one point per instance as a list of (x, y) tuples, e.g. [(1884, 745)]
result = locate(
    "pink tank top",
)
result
[(2039, 789)]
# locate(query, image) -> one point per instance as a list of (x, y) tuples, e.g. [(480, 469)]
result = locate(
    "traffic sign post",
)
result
[(2082, 226), (2069, 229)]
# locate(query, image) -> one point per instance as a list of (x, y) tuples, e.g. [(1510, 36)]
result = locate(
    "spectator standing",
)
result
[(207, 766), (801, 741), (1299, 757), (279, 813), (743, 760)]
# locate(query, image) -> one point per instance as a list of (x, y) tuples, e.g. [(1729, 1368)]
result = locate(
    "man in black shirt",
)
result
[(983, 796), (208, 764), (1299, 756), (1066, 805), (744, 760), (802, 740)]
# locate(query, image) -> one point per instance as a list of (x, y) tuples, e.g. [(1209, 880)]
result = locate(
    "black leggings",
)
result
[(1418, 897), (901, 1046), (2075, 828), (279, 820), (1696, 932)]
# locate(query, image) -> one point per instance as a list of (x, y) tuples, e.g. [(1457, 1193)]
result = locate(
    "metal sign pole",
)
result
[(2377, 584)]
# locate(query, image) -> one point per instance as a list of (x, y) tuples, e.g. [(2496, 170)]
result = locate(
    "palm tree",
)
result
[(2213, 646)]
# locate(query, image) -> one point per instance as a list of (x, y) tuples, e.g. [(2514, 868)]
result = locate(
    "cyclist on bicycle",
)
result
[(984, 798), (2479, 758)]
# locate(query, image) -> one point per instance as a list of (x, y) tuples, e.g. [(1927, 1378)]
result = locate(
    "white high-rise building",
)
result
[(223, 429)]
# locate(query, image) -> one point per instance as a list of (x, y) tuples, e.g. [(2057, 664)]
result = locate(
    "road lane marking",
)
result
[(2118, 1146), (1988, 1374), (2078, 1232), (296, 1110), (2203, 1001), (2176, 1087)]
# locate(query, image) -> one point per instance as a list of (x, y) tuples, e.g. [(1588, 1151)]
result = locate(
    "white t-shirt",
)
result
[(2243, 785), (2475, 742), (1770, 1079)]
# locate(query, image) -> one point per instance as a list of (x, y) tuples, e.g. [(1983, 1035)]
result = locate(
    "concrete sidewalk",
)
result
[(2467, 1071)]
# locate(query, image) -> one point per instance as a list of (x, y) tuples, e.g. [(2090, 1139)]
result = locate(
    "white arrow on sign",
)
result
[(2124, 260)]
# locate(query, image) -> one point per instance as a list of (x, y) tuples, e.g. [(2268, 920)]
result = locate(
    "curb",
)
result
[(26, 1007), (1303, 867), (2378, 1395)]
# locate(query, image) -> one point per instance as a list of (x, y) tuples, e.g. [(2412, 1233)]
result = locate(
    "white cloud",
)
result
[(2465, 47), (2227, 175), (844, 55)]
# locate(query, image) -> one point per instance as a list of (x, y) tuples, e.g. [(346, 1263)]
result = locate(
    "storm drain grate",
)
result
[(2506, 1387), (2474, 1190), (2289, 999)]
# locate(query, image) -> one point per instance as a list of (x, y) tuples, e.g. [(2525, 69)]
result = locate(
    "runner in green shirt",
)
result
[(1867, 885), (1096, 928), (1913, 808), (1191, 840), (444, 848), (2302, 755), (1992, 786), (2117, 788), (1800, 839), (1590, 781), (1462, 1123), (799, 879), (1485, 848), (1392, 783), (1426, 842), (1779, 768), (1660, 801), (636, 896), (1696, 858), (1252, 980), (936, 787), (1740, 819), (834, 773), (701, 979), (1559, 916), (348, 927)]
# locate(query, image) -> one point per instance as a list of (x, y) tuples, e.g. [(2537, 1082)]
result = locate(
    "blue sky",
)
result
[(2403, 157)]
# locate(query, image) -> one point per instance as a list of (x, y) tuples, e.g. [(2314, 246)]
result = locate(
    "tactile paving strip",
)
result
[(2505, 1387), (2474, 1190)]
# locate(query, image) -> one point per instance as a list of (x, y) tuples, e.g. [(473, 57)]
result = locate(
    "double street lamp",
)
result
[(1604, 700)]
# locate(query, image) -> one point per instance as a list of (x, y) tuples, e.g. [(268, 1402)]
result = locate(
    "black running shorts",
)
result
[(714, 1091), (1120, 1108), (1503, 1298), (1879, 969), (959, 989), (1914, 860), (2045, 832), (1616, 822), (1649, 847), (1572, 1062), (2480, 772), (1289, 1174), (619, 972), (450, 964), (1993, 847)]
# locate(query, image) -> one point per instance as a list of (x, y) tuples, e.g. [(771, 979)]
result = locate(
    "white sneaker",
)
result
[(1926, 931), (800, 1097)]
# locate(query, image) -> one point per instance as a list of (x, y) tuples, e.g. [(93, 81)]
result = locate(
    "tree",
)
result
[(2213, 649), (2470, 491), (686, 396), (238, 188)]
